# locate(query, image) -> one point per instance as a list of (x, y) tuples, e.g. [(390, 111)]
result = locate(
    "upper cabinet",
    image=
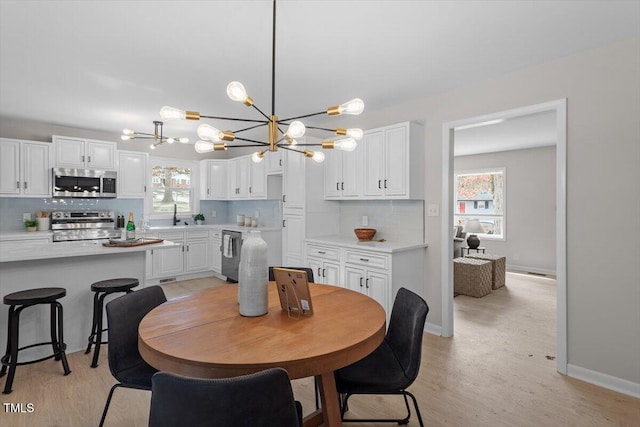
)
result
[(387, 164), (84, 153), (213, 176), (274, 162), (132, 175), (25, 169), (293, 181), (238, 173)]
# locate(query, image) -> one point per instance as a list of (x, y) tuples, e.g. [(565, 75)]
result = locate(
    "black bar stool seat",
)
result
[(102, 289), (18, 301)]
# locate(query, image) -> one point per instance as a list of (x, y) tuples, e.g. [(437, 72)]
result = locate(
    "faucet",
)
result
[(175, 212)]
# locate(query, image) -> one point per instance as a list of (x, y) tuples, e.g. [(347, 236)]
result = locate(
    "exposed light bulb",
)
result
[(128, 132), (292, 141), (353, 107), (125, 137), (237, 92), (257, 157), (203, 146), (355, 133), (296, 129), (209, 133), (316, 156), (170, 140), (170, 113), (346, 144), (182, 140), (152, 146)]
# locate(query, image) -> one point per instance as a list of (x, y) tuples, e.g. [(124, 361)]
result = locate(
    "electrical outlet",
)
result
[(213, 214), (26, 216), (365, 220), (433, 210)]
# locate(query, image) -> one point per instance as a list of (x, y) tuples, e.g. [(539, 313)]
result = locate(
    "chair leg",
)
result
[(106, 405), (93, 323), (415, 404), (404, 393), (14, 319), (61, 345), (98, 336), (7, 352)]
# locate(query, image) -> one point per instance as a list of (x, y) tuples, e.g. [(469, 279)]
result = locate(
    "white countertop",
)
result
[(388, 246), (25, 235), (25, 251), (232, 227)]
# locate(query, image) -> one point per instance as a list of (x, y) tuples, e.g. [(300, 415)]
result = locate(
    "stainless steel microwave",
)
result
[(87, 183)]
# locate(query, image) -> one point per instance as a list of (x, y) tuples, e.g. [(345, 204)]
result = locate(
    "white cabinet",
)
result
[(343, 174), (325, 263), (216, 250), (24, 168), (170, 262), (373, 283), (293, 181), (293, 226), (238, 174), (274, 162), (197, 247), (214, 179), (393, 159), (257, 180), (84, 153), (132, 175)]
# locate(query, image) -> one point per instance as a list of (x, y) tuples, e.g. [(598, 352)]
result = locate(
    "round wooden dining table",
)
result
[(203, 335)]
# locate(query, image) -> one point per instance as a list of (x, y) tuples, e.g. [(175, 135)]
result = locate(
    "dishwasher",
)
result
[(231, 246)]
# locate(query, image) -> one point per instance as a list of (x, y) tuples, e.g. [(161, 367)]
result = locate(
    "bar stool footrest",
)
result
[(5, 359)]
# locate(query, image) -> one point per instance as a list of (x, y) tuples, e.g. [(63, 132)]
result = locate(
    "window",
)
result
[(481, 195), (172, 183)]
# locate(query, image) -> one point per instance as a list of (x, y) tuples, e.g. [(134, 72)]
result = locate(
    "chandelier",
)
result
[(214, 139), (157, 136)]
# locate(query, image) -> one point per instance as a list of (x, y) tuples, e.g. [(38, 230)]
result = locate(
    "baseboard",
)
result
[(180, 277), (433, 329), (603, 380), (524, 268)]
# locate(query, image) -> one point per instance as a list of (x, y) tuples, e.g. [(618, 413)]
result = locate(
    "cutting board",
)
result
[(137, 242)]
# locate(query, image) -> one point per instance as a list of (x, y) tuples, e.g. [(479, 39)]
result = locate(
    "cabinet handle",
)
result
[(361, 282), (364, 259), (250, 189), (284, 198), (151, 251), (337, 186), (89, 159), (145, 188), (18, 184), (322, 252), (324, 272), (280, 162), (367, 283), (25, 185), (319, 275), (83, 158), (380, 183), (342, 185), (385, 183), (183, 249), (208, 191), (283, 224), (188, 251)]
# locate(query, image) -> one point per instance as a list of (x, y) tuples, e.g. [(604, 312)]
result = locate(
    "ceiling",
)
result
[(108, 65)]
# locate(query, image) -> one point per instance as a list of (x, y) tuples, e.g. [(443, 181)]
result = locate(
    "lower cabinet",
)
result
[(373, 283), (192, 256), (325, 263), (292, 239), (170, 262), (197, 247), (216, 250)]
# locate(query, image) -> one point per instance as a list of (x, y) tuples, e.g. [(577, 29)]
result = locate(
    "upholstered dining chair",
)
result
[(394, 365), (263, 399), (308, 270), (124, 315)]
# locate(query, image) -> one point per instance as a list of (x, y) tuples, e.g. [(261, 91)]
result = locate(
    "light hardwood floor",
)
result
[(496, 371)]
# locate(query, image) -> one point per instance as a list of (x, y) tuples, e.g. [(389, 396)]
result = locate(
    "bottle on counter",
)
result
[(131, 228)]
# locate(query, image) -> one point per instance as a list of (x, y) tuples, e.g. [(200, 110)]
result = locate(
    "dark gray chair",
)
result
[(394, 365), (308, 270), (263, 399), (124, 315)]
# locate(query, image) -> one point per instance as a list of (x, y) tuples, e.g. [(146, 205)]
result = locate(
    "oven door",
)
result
[(76, 186)]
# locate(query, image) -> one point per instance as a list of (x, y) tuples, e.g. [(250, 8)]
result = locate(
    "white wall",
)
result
[(531, 199), (603, 157)]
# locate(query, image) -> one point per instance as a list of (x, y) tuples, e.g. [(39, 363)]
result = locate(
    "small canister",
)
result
[(240, 220), (254, 222), (247, 221)]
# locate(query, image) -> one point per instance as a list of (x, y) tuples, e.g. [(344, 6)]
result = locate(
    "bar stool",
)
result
[(17, 302), (102, 289)]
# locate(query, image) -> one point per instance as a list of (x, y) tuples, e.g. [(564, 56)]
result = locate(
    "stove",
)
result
[(84, 225)]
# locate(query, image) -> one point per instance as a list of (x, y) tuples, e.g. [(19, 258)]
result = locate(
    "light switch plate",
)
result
[(433, 210), (26, 216), (213, 214), (365, 220)]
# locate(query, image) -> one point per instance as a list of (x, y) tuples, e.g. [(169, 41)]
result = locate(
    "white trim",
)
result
[(194, 165), (560, 108), (603, 380), (525, 269), (433, 329)]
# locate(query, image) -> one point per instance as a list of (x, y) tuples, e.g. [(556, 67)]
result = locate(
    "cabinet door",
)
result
[(331, 273), (395, 155), (351, 184), (216, 253), (217, 180), (197, 256), (292, 239), (36, 173), (132, 175), (332, 174), (100, 155), (258, 183), (354, 279), (242, 176), (373, 153), (293, 185), (377, 287), (232, 179), (316, 265), (149, 263), (274, 162), (170, 261), (10, 167), (69, 153)]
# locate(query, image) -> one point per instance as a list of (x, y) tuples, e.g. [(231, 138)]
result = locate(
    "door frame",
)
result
[(560, 108)]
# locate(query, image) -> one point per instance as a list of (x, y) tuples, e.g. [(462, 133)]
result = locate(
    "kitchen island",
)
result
[(70, 265)]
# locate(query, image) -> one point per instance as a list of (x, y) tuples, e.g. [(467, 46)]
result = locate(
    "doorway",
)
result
[(559, 108)]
